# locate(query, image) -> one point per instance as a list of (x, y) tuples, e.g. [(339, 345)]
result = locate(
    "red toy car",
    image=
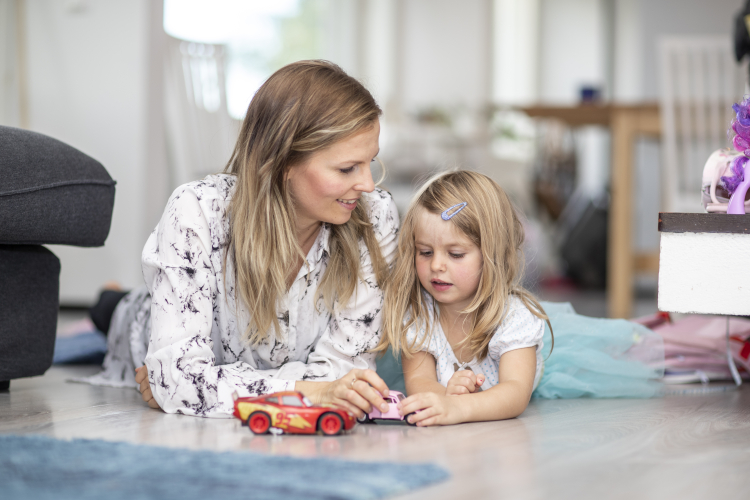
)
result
[(291, 412)]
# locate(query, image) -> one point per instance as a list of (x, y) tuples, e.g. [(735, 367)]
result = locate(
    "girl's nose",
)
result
[(437, 263), (365, 182)]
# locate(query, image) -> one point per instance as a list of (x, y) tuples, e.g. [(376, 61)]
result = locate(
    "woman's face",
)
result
[(327, 187)]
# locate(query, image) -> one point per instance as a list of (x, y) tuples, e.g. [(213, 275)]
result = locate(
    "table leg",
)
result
[(620, 260)]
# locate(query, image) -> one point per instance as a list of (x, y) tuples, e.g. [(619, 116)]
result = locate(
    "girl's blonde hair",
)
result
[(302, 108), (491, 223)]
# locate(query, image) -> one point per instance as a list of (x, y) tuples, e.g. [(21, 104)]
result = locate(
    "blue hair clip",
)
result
[(447, 216)]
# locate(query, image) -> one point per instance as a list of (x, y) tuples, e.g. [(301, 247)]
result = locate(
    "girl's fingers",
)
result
[(153, 404), (415, 402), (429, 421)]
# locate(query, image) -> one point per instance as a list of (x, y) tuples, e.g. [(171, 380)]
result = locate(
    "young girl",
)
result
[(472, 340)]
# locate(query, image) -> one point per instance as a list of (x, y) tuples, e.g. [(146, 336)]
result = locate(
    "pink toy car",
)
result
[(392, 414)]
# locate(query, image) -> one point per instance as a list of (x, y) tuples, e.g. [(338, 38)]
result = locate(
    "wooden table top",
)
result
[(587, 114)]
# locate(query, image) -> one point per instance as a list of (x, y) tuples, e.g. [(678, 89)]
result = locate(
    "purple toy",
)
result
[(739, 183), (392, 414)]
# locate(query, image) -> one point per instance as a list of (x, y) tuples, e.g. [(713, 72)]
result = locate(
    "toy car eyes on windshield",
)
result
[(392, 414), (292, 413)]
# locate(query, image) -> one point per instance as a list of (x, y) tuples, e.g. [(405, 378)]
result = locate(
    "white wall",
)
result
[(88, 74), (572, 48), (446, 52)]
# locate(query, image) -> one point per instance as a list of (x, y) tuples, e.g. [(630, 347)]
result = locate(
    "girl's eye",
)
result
[(346, 170), (457, 255), (425, 253)]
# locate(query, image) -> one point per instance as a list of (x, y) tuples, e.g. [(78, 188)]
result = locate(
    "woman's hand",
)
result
[(429, 408), (141, 378), (463, 382), (358, 391)]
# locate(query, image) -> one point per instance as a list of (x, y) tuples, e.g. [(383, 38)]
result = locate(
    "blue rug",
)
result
[(37, 467), (86, 348)]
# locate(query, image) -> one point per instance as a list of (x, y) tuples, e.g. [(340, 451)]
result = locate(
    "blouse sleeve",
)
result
[(354, 329), (181, 277), (519, 329)]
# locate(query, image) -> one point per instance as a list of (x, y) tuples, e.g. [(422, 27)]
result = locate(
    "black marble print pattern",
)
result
[(197, 356)]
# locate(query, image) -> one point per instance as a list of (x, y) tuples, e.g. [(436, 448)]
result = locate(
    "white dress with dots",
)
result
[(519, 329)]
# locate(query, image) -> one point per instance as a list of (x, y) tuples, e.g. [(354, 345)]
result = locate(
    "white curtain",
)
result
[(200, 133)]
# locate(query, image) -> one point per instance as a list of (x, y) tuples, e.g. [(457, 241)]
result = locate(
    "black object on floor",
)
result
[(4, 385), (101, 313)]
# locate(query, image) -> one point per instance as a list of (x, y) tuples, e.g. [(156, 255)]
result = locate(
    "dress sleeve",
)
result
[(354, 329), (519, 329), (181, 277)]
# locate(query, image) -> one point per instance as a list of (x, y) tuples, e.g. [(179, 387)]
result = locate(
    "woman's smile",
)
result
[(348, 204)]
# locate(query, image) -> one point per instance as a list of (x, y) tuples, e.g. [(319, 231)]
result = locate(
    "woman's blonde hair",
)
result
[(491, 223), (302, 108)]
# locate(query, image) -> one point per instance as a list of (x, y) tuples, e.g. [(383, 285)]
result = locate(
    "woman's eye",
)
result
[(347, 170)]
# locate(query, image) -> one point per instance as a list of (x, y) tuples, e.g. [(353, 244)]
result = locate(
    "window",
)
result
[(260, 36), (292, 401)]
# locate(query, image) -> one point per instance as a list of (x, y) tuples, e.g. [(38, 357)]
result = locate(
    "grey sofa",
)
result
[(50, 193)]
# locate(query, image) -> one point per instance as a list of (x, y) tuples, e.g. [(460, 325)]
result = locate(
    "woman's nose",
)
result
[(365, 182)]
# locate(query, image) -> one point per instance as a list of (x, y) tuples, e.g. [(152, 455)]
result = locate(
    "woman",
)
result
[(268, 277)]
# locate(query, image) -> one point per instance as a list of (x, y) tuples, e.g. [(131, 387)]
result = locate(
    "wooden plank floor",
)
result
[(686, 447)]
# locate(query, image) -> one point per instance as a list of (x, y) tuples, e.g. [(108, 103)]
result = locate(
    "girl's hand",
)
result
[(434, 409), (141, 378), (463, 382), (358, 391)]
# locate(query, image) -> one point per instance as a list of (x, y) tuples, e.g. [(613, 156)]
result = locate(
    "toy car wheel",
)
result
[(406, 419), (330, 424), (365, 419), (259, 422)]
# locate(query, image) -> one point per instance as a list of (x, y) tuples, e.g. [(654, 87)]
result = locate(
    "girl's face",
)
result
[(449, 264), (327, 187)]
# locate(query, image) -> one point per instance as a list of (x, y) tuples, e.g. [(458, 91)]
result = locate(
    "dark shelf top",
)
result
[(673, 222)]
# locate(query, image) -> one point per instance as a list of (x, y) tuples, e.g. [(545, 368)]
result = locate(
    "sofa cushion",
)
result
[(29, 299), (51, 192)]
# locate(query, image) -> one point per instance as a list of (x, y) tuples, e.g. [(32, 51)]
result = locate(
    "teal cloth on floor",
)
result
[(599, 358), (41, 468), (592, 357)]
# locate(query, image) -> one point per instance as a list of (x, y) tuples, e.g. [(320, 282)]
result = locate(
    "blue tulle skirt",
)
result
[(599, 358)]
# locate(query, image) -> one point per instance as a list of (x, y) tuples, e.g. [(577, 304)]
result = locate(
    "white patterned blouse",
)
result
[(196, 353)]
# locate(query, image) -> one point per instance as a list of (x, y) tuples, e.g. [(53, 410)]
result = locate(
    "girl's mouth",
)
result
[(441, 286)]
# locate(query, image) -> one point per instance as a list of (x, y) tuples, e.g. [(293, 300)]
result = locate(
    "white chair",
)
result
[(700, 80)]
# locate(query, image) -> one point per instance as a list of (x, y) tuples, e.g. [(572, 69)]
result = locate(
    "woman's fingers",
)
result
[(147, 395), (141, 378), (141, 373), (354, 397), (371, 391), (373, 379), (354, 410)]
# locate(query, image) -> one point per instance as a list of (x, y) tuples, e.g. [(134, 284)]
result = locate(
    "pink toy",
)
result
[(739, 183), (393, 399)]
